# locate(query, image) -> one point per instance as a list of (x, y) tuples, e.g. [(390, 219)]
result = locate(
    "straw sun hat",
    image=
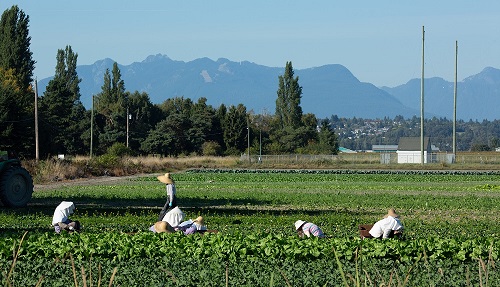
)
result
[(391, 212), (166, 179), (162, 226), (199, 220)]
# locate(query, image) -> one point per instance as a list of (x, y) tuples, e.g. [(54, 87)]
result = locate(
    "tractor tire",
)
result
[(16, 187)]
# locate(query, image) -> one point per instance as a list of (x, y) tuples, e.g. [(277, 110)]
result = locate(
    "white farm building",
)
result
[(409, 150)]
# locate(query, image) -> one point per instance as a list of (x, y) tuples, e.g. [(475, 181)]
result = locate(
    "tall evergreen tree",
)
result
[(16, 71), (327, 138), (10, 109), (203, 122), (235, 129), (15, 46), (61, 110), (289, 130), (143, 117), (288, 110), (111, 105)]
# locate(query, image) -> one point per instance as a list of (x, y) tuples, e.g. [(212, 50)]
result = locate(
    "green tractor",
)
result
[(16, 184)]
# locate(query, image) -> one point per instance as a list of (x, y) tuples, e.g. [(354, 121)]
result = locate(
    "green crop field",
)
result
[(451, 219)]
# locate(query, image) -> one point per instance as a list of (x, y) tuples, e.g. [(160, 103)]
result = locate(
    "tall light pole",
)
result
[(91, 126), (455, 103), (260, 144), (37, 154), (128, 117), (422, 103), (248, 138)]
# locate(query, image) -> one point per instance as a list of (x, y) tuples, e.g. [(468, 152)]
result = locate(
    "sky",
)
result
[(380, 42)]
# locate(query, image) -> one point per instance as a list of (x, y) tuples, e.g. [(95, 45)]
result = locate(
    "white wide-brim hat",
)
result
[(299, 224)]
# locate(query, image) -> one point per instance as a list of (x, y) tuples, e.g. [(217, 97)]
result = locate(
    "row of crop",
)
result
[(121, 246), (337, 176), (348, 171)]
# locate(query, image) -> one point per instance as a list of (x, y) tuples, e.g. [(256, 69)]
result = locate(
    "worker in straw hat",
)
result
[(308, 229), (172, 219), (171, 194), (197, 225), (388, 227)]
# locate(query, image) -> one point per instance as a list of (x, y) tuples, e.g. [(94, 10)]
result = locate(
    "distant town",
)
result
[(361, 135)]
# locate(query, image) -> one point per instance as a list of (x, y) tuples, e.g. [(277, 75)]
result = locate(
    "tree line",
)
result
[(181, 126), (178, 126)]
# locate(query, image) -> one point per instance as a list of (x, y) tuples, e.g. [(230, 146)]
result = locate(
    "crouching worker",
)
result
[(388, 227), (172, 218), (308, 229), (195, 226), (61, 220)]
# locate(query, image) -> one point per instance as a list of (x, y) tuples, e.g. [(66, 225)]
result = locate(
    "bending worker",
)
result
[(308, 229), (61, 220), (388, 227)]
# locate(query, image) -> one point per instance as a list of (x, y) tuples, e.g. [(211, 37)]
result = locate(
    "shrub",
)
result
[(211, 148), (119, 150)]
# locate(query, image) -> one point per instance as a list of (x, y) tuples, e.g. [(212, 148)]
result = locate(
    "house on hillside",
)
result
[(409, 150)]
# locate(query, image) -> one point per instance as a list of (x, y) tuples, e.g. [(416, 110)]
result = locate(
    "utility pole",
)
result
[(248, 138), (455, 104), (37, 148), (91, 126), (422, 103), (260, 145), (128, 115)]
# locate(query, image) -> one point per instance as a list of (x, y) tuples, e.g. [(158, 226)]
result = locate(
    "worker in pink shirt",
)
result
[(308, 229)]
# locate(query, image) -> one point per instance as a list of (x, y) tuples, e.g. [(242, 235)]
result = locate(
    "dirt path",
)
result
[(87, 181)]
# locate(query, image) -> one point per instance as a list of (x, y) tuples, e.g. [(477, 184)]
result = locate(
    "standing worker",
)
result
[(171, 197)]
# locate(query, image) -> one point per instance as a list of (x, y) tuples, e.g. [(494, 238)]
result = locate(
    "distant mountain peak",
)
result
[(106, 62), (155, 58), (328, 90), (488, 74)]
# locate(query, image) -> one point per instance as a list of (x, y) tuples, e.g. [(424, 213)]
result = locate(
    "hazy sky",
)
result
[(378, 41)]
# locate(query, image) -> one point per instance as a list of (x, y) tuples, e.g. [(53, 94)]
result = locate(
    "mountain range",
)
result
[(326, 90)]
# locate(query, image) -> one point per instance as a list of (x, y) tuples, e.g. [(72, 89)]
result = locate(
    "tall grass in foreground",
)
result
[(8, 282), (361, 278), (484, 270)]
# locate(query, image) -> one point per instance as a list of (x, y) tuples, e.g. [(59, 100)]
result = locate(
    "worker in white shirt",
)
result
[(389, 227)]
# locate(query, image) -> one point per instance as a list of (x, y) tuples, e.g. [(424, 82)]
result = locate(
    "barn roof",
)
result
[(412, 143)]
